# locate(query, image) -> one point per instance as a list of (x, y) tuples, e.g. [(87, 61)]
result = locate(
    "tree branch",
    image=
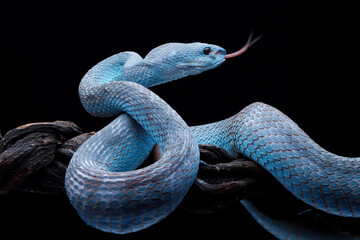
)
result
[(34, 158)]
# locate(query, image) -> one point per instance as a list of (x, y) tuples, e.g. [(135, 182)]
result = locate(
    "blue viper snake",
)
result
[(109, 192)]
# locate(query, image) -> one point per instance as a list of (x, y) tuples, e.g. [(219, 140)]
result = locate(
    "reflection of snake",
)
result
[(110, 195)]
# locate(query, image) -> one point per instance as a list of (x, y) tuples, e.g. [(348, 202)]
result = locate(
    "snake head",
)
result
[(179, 60)]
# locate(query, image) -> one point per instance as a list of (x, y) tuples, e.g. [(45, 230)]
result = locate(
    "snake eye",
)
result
[(207, 51)]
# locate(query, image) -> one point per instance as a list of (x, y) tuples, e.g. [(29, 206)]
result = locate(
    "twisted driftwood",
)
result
[(34, 158)]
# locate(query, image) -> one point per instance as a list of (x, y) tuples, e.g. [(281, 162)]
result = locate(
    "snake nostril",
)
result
[(221, 52)]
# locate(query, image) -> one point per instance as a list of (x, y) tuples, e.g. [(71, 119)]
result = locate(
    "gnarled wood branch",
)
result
[(34, 158)]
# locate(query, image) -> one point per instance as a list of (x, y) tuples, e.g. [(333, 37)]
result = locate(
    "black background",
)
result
[(305, 65)]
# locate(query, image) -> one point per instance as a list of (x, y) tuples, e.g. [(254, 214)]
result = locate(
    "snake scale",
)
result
[(110, 194)]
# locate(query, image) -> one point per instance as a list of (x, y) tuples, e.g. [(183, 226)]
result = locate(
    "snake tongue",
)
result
[(248, 44)]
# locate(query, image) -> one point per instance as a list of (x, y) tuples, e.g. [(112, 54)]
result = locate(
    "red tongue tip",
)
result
[(248, 44)]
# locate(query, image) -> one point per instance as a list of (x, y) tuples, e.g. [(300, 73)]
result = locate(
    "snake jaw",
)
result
[(203, 66), (218, 63)]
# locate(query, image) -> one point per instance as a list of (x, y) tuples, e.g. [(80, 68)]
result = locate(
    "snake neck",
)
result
[(125, 66), (146, 74), (130, 67), (149, 73)]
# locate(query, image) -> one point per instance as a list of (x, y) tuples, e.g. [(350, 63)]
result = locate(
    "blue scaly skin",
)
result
[(109, 194)]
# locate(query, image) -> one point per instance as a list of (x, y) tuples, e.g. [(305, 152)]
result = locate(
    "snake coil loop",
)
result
[(110, 194)]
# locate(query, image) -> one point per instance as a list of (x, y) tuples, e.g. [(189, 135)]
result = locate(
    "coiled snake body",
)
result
[(109, 194)]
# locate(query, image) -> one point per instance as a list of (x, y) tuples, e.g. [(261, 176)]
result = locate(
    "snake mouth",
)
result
[(218, 63), (203, 66)]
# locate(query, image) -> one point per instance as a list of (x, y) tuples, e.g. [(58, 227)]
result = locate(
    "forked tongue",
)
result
[(248, 44)]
